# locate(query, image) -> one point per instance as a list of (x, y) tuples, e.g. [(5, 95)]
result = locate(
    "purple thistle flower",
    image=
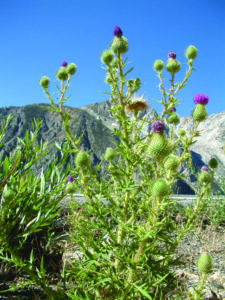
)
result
[(201, 99), (173, 109), (117, 31), (70, 178), (204, 169), (158, 126), (172, 55), (64, 64)]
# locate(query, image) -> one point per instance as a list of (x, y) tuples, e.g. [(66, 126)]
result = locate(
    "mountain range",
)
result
[(95, 122)]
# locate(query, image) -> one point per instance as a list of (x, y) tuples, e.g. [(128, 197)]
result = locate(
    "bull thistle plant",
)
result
[(122, 235)]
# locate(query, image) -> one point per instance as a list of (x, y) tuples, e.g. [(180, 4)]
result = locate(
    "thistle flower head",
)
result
[(172, 55), (204, 169), (70, 178), (173, 109), (137, 104), (158, 126), (64, 64), (117, 31), (201, 99)]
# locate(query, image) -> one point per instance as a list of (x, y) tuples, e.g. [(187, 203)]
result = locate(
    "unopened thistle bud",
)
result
[(108, 78), (181, 132), (115, 62), (62, 74), (71, 69), (158, 147), (109, 154), (44, 82), (213, 163), (158, 65), (8, 195), (205, 263), (172, 66), (160, 188), (173, 118), (106, 57), (172, 163), (204, 177), (82, 159), (191, 52)]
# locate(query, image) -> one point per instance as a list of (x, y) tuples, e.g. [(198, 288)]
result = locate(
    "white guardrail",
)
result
[(181, 199)]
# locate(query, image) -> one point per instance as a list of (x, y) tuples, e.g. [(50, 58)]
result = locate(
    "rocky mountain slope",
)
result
[(95, 123)]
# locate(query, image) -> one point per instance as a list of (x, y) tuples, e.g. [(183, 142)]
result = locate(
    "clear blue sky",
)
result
[(37, 35)]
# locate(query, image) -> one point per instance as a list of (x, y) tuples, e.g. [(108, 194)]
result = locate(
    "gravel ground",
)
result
[(213, 242)]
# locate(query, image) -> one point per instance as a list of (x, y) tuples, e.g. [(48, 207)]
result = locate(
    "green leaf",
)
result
[(6, 166), (143, 292), (160, 280), (57, 146), (131, 69), (42, 191)]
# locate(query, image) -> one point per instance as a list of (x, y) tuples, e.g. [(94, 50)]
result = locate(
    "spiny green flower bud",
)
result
[(70, 188), (130, 83), (119, 45), (71, 69), (115, 62), (213, 163), (181, 132), (158, 146), (108, 78), (158, 65), (173, 118), (8, 195), (160, 188), (62, 73), (82, 159), (109, 154), (106, 57), (172, 66), (172, 163), (199, 113), (204, 177), (205, 263), (44, 82), (191, 52)]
